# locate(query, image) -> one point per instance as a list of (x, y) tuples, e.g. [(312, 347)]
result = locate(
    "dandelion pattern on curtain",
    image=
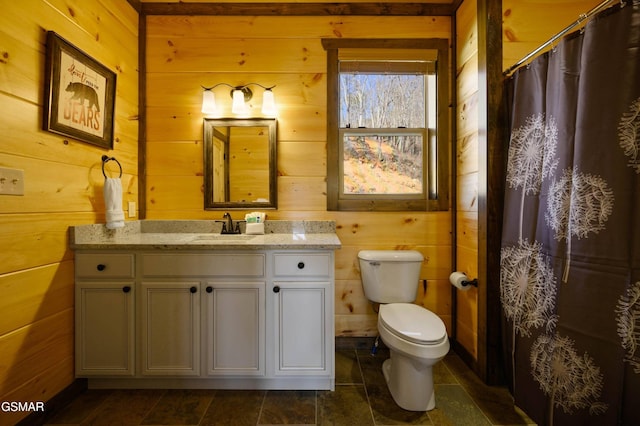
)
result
[(578, 204), (527, 291), (572, 381), (570, 257), (629, 134), (532, 156), (629, 325)]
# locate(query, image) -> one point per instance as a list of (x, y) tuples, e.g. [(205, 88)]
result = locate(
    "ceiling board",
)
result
[(304, 8)]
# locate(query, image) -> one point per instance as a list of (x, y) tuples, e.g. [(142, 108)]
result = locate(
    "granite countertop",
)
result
[(203, 235)]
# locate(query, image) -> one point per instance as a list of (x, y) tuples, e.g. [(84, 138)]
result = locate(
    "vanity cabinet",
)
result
[(105, 328), (104, 315), (232, 314), (301, 328), (170, 328), (235, 328), (246, 319), (303, 313)]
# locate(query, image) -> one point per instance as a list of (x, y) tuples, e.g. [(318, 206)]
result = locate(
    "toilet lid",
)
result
[(413, 323)]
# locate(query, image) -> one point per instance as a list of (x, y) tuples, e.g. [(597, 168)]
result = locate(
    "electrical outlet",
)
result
[(132, 209), (11, 181)]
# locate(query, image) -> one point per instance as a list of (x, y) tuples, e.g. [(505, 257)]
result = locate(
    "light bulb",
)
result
[(238, 106), (208, 102), (268, 103)]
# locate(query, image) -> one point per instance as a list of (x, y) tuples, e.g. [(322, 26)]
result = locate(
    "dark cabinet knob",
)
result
[(276, 289), (300, 265), (193, 289), (209, 289), (101, 267), (126, 289)]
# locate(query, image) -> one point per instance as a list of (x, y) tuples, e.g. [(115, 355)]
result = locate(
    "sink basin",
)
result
[(224, 237)]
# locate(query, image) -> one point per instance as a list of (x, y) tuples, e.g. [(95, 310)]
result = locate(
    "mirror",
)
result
[(240, 163)]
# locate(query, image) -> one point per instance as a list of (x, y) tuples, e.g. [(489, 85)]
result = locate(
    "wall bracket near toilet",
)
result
[(473, 282)]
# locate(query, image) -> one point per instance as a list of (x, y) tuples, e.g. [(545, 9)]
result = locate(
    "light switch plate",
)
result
[(132, 209), (11, 181)]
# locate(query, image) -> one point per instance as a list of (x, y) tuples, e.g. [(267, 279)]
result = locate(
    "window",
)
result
[(387, 125)]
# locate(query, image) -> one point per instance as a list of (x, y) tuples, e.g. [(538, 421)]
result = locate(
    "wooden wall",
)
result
[(526, 25), (467, 172), (63, 185), (184, 53), (63, 181), (249, 163)]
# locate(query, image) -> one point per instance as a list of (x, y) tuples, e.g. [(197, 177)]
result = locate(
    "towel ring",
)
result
[(105, 160)]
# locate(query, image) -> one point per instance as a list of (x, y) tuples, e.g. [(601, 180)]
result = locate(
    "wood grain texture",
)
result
[(304, 27), (35, 294), (63, 185), (467, 179), (528, 24), (186, 52), (300, 9)]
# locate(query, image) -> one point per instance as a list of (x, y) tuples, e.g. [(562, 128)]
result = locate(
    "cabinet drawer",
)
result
[(191, 265), (302, 264), (99, 265)]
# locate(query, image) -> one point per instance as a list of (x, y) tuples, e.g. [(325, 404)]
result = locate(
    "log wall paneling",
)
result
[(63, 185), (323, 8), (187, 52), (302, 121), (525, 25), (467, 154), (63, 178), (528, 24)]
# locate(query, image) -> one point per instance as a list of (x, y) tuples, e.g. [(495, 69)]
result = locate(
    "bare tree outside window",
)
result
[(382, 100), (383, 132), (388, 124)]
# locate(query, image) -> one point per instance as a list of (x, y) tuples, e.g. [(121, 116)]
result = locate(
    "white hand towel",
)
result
[(113, 203)]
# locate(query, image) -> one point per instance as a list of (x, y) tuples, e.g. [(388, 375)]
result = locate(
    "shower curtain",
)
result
[(570, 256)]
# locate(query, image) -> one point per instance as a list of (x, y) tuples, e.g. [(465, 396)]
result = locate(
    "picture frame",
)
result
[(79, 94)]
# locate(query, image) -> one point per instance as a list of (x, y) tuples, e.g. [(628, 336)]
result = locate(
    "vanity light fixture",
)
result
[(208, 102), (240, 96), (268, 103)]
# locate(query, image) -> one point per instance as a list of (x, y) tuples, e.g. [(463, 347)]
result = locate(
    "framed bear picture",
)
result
[(79, 97)]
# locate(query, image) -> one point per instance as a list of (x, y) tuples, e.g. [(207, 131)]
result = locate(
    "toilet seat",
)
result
[(413, 323)]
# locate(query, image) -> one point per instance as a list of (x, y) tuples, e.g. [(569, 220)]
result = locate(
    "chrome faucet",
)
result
[(227, 227)]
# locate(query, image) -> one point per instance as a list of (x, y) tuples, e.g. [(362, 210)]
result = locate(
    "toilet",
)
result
[(416, 337)]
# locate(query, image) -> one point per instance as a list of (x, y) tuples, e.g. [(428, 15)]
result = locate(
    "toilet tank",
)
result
[(390, 276)]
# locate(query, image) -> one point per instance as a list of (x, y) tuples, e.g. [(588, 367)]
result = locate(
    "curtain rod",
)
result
[(580, 20)]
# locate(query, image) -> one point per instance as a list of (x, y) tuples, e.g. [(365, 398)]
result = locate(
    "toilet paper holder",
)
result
[(461, 281), (473, 282)]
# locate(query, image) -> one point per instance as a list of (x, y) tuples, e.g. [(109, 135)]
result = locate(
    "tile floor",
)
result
[(361, 398)]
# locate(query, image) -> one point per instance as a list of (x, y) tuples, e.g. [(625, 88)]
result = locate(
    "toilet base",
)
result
[(410, 383)]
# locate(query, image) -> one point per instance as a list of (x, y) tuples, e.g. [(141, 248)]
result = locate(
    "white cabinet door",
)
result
[(302, 328), (170, 328), (104, 329), (235, 328)]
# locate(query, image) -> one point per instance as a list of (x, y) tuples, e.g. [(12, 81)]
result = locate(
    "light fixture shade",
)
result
[(238, 106), (268, 103), (208, 102)]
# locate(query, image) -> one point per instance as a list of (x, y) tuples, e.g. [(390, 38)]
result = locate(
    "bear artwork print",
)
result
[(82, 91)]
